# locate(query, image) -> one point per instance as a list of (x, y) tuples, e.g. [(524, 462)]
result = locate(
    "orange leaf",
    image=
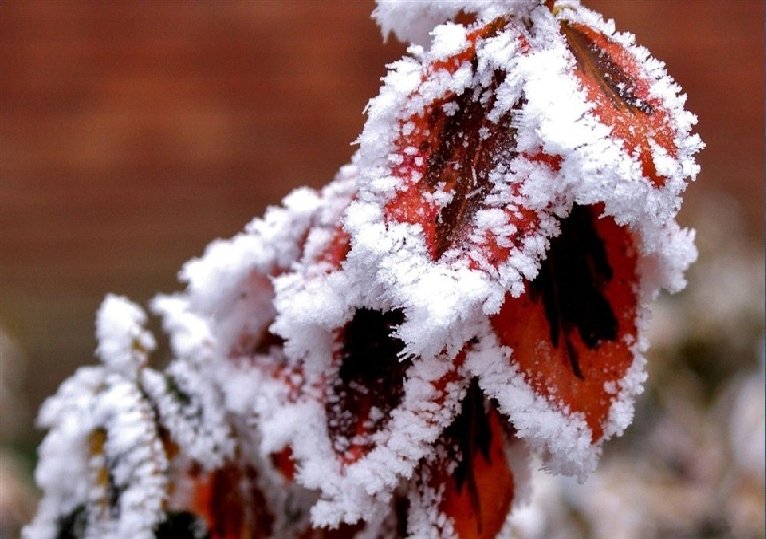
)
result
[(472, 472), (571, 332), (612, 79)]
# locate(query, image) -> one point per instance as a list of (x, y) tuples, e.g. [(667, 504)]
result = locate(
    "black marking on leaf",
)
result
[(114, 490), (371, 372), (618, 85), (464, 158), (181, 525), (471, 433), (175, 391), (401, 509), (571, 284), (73, 525)]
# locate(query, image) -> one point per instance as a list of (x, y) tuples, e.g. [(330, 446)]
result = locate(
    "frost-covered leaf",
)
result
[(128, 464), (63, 454), (191, 409), (572, 333), (468, 485), (106, 435), (375, 359), (612, 78)]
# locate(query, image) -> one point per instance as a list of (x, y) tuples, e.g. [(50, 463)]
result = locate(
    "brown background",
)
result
[(131, 135)]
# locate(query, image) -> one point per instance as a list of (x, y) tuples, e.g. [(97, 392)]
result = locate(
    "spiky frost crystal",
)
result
[(381, 357)]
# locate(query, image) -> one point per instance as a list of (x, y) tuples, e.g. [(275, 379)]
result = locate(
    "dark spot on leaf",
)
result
[(401, 509), (615, 82), (175, 391), (469, 147), (371, 374), (73, 525), (571, 285), (181, 525), (471, 434)]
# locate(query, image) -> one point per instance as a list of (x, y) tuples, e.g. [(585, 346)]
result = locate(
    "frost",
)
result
[(192, 411), (448, 39), (373, 357), (123, 344), (103, 432)]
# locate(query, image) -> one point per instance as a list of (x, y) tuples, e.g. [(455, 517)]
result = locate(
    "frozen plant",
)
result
[(385, 357)]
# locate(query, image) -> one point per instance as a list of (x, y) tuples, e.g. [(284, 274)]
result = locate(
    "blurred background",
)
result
[(131, 135)]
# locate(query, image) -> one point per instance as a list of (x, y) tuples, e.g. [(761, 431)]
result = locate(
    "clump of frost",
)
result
[(413, 22), (62, 456), (123, 343)]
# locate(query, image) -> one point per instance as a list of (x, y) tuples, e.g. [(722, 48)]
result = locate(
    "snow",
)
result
[(448, 40)]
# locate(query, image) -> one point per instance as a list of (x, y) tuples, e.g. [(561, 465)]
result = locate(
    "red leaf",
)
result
[(232, 504), (472, 471), (612, 80), (571, 332), (454, 154)]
